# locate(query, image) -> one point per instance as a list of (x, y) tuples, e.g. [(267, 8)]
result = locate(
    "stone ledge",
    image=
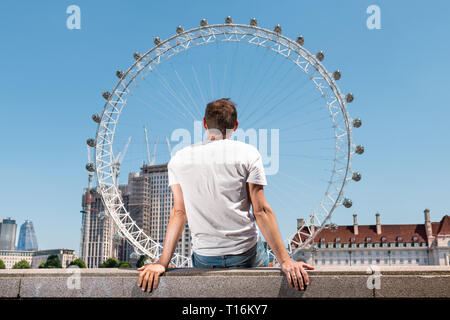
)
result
[(395, 282)]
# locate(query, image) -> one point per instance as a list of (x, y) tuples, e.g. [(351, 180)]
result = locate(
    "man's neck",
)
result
[(217, 137)]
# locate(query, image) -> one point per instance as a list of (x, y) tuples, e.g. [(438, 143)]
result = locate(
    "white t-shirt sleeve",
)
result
[(256, 173), (171, 174)]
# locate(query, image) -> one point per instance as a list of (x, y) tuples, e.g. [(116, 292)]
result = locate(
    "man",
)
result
[(213, 184)]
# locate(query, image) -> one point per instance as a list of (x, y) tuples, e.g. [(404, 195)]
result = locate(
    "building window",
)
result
[(345, 245)]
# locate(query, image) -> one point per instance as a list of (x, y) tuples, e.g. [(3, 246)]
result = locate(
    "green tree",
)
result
[(110, 263), (51, 262), (124, 264), (22, 264), (78, 262), (2, 264), (42, 265), (141, 261)]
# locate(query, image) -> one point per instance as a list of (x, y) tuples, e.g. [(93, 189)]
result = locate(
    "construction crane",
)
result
[(118, 160), (154, 151), (146, 142), (169, 147)]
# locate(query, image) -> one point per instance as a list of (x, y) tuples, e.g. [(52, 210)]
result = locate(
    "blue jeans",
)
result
[(254, 257)]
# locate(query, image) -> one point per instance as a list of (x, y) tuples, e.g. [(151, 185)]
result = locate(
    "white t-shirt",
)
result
[(213, 176)]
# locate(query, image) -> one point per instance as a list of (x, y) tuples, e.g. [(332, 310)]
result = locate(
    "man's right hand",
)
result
[(296, 273), (149, 277)]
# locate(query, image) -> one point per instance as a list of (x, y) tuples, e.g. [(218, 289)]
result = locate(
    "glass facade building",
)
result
[(7, 234), (27, 237)]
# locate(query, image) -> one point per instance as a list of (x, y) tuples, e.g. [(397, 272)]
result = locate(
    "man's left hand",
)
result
[(149, 277)]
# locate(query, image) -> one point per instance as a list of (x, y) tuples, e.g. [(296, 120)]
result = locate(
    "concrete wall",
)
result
[(391, 282)]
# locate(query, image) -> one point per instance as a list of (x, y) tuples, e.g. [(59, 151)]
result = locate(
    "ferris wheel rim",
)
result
[(125, 90)]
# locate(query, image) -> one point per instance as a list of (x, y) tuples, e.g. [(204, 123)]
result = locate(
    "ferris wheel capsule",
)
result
[(102, 215), (119, 74), (203, 22), (253, 22), (157, 41), (137, 56), (347, 203), (349, 97), (228, 20), (277, 29), (94, 191), (90, 167), (359, 149), (117, 237), (134, 256), (106, 95), (300, 40), (336, 75), (320, 55), (356, 176), (91, 142), (180, 29), (96, 117), (357, 123)]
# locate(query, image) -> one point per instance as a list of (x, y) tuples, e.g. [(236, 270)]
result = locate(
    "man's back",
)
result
[(213, 176)]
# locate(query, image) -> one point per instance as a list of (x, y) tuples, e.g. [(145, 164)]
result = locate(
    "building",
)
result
[(97, 230), (8, 229), (392, 245), (149, 201), (27, 237), (35, 258), (66, 256)]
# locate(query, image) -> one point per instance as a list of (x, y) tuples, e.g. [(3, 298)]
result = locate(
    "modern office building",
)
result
[(97, 230), (27, 237), (391, 245), (149, 201), (8, 229), (35, 258)]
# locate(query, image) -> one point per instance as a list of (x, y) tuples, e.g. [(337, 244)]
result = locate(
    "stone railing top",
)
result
[(330, 282)]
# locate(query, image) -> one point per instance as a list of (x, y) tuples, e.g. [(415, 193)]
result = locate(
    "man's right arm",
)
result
[(267, 223)]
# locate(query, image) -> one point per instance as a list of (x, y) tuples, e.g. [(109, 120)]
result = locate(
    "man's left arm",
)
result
[(149, 277)]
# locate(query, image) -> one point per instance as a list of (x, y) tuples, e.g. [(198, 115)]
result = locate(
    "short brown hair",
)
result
[(221, 115)]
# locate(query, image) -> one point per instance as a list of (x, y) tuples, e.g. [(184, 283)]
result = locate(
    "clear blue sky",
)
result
[(53, 78)]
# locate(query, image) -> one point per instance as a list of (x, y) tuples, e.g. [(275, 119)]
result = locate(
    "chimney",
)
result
[(378, 223), (355, 224), (312, 226), (300, 223), (428, 229)]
